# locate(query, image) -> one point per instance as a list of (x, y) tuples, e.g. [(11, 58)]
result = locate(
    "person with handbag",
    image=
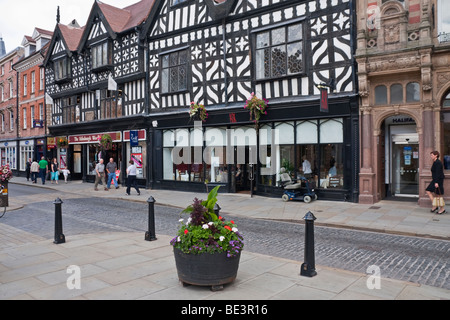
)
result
[(435, 189)]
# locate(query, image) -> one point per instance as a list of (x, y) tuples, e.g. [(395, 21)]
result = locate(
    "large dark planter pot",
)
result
[(206, 269)]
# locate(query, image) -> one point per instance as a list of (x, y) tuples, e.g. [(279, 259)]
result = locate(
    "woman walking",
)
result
[(131, 178), (54, 171), (436, 185)]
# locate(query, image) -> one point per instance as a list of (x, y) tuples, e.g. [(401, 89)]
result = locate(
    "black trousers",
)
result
[(131, 182)]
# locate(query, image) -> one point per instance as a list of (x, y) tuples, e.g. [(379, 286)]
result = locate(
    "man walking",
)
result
[(43, 164), (100, 170), (34, 171), (111, 168)]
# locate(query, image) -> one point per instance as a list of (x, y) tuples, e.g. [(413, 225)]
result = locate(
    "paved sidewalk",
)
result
[(122, 265)]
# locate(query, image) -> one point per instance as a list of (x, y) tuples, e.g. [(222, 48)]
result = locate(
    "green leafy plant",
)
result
[(205, 232)]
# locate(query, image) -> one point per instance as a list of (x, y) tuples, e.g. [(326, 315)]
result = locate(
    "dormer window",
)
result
[(101, 56), (62, 69)]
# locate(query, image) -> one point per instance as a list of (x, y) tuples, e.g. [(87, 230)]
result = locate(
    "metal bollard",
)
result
[(308, 268), (150, 234), (59, 236)]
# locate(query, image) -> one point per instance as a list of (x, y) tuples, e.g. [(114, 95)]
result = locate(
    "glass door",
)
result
[(405, 173)]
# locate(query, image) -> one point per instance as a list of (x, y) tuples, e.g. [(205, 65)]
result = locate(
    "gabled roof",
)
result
[(70, 36), (116, 20)]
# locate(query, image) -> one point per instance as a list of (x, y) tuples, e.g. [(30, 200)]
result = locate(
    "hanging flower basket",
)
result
[(5, 173), (106, 142), (62, 142), (198, 112), (256, 107)]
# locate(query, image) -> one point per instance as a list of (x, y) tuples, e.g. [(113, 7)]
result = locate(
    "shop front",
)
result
[(85, 151), (230, 151)]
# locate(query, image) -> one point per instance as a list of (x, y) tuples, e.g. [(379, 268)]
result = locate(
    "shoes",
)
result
[(127, 194), (139, 193), (117, 187), (442, 212), (106, 189), (434, 210), (96, 189)]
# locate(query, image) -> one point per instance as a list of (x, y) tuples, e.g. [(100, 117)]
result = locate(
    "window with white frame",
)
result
[(62, 69), (11, 91), (41, 111), (11, 120), (32, 116), (41, 78), (24, 118), (2, 119), (33, 79), (25, 84), (26, 152), (2, 91)]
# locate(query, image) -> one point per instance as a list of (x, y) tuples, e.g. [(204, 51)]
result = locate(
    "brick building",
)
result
[(31, 107), (8, 108)]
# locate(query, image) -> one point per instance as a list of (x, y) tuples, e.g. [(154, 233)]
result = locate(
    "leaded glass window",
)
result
[(279, 52), (174, 71)]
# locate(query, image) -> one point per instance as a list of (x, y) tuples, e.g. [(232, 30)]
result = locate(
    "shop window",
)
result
[(174, 75), (265, 155), (284, 149), (177, 155), (412, 92), (380, 95), (215, 156), (445, 117), (279, 52), (396, 93), (331, 153)]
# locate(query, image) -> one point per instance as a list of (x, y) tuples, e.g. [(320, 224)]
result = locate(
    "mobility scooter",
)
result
[(292, 190)]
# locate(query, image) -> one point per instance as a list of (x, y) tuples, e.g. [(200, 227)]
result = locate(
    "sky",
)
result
[(20, 17)]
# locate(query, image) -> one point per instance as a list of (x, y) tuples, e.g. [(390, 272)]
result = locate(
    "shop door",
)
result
[(405, 165)]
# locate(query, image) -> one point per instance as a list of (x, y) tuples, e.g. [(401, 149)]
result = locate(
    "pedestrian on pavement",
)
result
[(54, 171), (28, 169), (100, 170), (43, 164), (111, 168), (436, 185), (66, 173), (131, 178), (34, 171)]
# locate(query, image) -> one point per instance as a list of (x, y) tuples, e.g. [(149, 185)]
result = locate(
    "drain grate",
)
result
[(374, 207)]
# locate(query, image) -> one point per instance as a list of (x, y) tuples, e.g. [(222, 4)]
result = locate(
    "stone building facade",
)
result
[(404, 83)]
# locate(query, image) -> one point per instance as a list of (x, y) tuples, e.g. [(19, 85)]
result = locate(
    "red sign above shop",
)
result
[(94, 138), (141, 135)]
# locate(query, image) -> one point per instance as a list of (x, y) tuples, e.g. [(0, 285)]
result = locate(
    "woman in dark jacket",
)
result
[(436, 185)]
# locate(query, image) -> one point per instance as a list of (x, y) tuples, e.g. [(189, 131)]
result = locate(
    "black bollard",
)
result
[(308, 268), (217, 210), (59, 236), (150, 234)]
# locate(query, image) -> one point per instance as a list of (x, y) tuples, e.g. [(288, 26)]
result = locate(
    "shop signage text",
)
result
[(93, 138)]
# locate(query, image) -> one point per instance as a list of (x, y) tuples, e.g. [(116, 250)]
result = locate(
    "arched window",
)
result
[(380, 95), (396, 93)]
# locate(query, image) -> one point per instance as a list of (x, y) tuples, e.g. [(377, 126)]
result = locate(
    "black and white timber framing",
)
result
[(218, 70)]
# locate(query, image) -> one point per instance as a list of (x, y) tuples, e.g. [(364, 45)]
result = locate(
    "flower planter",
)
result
[(206, 269)]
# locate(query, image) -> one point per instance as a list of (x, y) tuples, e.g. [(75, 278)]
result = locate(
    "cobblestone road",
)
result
[(419, 260)]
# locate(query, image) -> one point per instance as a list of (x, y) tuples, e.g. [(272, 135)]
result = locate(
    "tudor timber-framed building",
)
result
[(217, 53)]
